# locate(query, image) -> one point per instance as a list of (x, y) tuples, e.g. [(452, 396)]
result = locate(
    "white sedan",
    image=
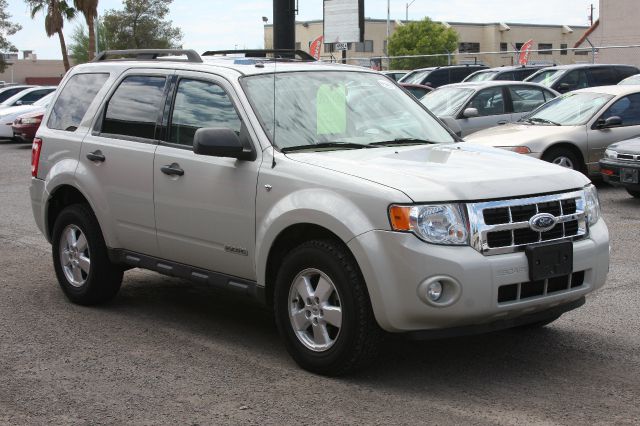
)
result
[(8, 115)]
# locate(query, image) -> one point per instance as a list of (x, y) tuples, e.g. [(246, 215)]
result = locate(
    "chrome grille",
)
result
[(628, 157), (503, 226)]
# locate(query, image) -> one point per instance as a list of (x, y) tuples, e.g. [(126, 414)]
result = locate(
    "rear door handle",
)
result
[(172, 170), (96, 156)]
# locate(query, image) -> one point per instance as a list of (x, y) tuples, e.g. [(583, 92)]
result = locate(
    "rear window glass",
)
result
[(134, 107), (74, 100)]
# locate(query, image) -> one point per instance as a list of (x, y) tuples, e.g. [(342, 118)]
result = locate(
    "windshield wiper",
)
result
[(325, 145), (542, 120), (403, 141)]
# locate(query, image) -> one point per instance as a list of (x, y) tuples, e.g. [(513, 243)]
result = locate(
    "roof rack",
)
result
[(284, 54), (148, 55)]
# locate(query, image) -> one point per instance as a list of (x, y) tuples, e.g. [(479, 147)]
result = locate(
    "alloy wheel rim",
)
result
[(75, 256), (315, 311), (563, 161)]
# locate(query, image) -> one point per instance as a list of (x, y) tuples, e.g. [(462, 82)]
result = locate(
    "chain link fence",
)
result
[(628, 54)]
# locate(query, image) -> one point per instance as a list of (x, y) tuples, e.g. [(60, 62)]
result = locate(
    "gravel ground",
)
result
[(168, 351)]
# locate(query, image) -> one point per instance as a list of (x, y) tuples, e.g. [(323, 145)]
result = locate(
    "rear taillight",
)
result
[(36, 148)]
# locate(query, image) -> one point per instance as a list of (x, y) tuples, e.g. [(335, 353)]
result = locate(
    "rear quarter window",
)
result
[(74, 101)]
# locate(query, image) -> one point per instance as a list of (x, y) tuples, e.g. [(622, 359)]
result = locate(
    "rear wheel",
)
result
[(80, 259), (323, 310), (563, 157), (633, 193)]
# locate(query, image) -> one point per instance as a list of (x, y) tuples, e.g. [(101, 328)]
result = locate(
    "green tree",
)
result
[(142, 24), (7, 28), (79, 46), (422, 38), (55, 13), (89, 8)]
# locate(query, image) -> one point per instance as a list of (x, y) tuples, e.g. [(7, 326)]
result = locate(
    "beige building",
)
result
[(31, 70), (617, 26), (500, 38)]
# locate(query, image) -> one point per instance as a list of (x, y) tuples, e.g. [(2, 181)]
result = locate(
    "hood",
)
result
[(630, 146), (517, 134), (448, 172)]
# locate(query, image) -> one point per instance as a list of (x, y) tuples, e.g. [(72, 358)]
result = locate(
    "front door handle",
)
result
[(502, 122), (96, 156), (172, 169)]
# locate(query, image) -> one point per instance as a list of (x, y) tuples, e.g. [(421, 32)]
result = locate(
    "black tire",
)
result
[(104, 278), (356, 345), (635, 194), (539, 324), (554, 155)]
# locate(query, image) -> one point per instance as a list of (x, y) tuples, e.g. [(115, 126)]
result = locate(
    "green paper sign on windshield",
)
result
[(331, 109)]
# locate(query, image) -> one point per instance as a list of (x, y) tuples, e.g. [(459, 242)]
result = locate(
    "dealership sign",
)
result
[(343, 21)]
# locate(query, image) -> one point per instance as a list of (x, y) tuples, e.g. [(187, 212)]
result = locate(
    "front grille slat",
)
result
[(503, 226), (521, 291)]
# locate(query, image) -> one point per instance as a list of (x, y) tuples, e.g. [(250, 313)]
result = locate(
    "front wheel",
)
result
[(323, 311), (635, 194), (563, 157)]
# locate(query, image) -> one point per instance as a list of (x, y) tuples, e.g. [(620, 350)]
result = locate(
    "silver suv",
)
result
[(323, 191)]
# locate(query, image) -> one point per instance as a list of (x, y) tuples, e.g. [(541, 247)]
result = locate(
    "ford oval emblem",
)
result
[(543, 222)]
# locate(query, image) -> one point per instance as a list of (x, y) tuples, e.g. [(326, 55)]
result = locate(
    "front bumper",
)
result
[(394, 266), (613, 177)]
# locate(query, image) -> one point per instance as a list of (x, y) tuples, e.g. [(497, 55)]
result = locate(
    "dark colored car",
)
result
[(26, 126), (417, 90), (439, 76), (621, 165), (507, 73), (566, 78)]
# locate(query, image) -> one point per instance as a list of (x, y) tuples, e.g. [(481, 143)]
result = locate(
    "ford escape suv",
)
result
[(324, 191)]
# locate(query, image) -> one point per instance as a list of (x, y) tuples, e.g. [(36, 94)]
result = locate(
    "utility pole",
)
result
[(591, 15), (388, 25), (407, 11), (284, 24)]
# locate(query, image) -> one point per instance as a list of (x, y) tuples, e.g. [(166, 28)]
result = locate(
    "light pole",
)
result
[(388, 25), (407, 11)]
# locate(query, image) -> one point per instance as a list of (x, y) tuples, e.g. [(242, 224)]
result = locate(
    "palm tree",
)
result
[(89, 9), (56, 11)]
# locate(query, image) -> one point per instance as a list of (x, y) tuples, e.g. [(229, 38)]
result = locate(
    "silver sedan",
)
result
[(480, 105), (574, 129)]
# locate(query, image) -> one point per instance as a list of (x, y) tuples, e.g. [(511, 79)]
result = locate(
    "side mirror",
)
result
[(18, 103), (219, 142), (470, 113), (564, 87), (612, 121)]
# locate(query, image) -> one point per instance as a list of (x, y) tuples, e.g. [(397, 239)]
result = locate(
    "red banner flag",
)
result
[(524, 52), (315, 47)]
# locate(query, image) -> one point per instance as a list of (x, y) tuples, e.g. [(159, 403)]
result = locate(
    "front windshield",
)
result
[(482, 76), (572, 109), (339, 107), (545, 77), (447, 101)]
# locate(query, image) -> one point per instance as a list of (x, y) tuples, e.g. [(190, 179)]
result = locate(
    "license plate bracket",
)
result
[(550, 260), (628, 175)]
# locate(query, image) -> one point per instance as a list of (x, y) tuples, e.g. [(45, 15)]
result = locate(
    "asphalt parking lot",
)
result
[(168, 351)]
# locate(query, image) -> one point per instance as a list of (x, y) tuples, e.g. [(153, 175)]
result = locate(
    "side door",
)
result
[(525, 99), (206, 216), (118, 157), (599, 138), (492, 111)]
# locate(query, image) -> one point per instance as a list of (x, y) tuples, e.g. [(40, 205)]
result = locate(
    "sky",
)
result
[(220, 24)]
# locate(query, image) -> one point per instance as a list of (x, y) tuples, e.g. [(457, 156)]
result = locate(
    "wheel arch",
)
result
[(568, 146), (60, 198)]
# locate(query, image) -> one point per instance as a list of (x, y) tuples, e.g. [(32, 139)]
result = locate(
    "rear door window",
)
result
[(526, 99), (134, 108), (74, 101), (436, 78), (575, 79)]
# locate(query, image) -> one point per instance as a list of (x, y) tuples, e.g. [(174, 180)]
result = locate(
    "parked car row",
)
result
[(21, 110)]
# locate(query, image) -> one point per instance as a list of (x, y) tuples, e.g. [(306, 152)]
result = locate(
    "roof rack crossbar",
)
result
[(148, 54), (290, 54)]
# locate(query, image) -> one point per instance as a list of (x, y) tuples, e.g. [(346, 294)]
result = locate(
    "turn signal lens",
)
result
[(517, 149), (399, 216)]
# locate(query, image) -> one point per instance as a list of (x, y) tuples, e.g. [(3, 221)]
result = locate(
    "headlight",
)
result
[(438, 224), (609, 153), (592, 204), (518, 149)]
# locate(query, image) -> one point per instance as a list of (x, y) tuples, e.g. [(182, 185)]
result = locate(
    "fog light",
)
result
[(434, 291)]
